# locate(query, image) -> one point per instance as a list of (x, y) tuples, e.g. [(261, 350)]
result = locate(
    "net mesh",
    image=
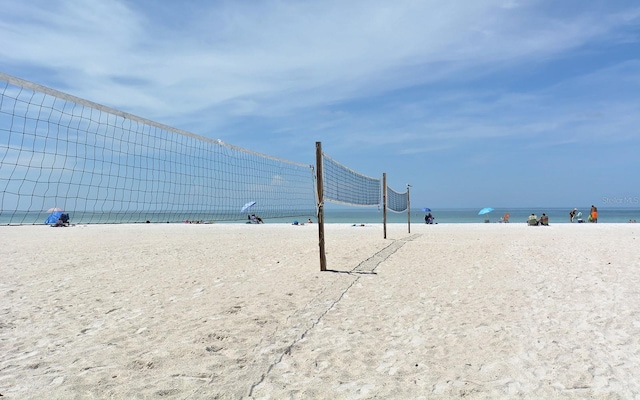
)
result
[(397, 202), (105, 166), (345, 186)]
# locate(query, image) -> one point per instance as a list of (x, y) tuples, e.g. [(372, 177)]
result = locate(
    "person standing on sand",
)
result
[(593, 216), (572, 214)]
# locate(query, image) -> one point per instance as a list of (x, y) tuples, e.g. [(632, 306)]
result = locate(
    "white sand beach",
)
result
[(230, 311)]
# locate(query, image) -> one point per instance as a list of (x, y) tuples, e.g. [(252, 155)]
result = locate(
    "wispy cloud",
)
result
[(264, 59)]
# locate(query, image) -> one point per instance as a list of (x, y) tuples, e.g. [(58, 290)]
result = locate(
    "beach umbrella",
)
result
[(247, 206), (485, 210), (426, 209), (54, 209)]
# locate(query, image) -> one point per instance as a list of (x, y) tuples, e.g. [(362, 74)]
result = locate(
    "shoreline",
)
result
[(284, 223), (352, 215)]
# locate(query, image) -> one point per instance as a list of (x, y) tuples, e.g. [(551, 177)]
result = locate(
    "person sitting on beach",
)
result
[(62, 221), (532, 220), (544, 220), (309, 221), (428, 219)]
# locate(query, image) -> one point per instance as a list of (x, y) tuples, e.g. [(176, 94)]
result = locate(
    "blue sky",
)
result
[(499, 103)]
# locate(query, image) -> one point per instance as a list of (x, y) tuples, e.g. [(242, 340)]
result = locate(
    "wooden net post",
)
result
[(319, 183), (408, 209), (384, 203)]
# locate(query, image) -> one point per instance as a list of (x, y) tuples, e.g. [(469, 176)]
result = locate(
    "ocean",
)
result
[(468, 215), (353, 215)]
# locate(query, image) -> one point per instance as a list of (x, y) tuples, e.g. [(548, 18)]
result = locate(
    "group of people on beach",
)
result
[(576, 216), (295, 222), (63, 220), (534, 221)]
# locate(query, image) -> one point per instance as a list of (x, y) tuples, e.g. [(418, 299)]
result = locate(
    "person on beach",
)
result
[(593, 215), (572, 214), (428, 219), (309, 221), (544, 220), (532, 220), (62, 221)]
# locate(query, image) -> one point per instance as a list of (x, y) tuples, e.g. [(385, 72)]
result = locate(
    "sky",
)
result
[(487, 103)]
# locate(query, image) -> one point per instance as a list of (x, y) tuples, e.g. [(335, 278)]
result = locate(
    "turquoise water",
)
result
[(352, 215), (457, 216)]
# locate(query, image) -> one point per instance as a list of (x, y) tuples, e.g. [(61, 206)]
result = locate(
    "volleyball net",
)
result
[(106, 166), (343, 185), (396, 201), (102, 165)]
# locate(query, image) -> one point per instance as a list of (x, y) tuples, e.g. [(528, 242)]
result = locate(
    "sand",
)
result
[(177, 311)]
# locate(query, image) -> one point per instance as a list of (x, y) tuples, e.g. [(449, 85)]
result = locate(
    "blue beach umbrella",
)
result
[(485, 210), (247, 206), (426, 209)]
